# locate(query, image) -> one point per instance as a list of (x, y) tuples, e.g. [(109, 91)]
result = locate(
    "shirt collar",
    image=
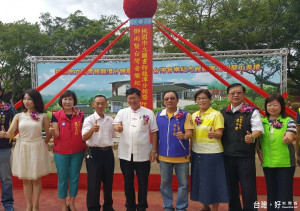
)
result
[(207, 111), (164, 112), (97, 117), (136, 111), (236, 108)]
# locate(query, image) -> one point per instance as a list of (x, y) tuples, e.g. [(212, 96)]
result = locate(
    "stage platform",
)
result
[(50, 202)]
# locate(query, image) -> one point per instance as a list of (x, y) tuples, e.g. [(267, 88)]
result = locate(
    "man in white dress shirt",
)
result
[(134, 124), (98, 133)]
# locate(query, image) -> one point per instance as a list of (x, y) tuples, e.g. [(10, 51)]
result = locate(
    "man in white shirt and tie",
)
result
[(98, 133)]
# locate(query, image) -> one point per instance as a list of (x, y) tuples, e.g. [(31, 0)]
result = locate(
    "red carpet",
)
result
[(50, 182)]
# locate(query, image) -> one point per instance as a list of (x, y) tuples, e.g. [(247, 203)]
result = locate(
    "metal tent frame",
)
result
[(282, 52)]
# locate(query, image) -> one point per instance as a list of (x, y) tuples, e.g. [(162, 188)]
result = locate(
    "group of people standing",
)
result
[(221, 147)]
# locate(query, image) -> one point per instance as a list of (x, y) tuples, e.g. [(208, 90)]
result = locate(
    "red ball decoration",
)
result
[(140, 8), (285, 95)]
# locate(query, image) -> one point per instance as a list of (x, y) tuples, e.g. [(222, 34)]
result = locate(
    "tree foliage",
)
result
[(235, 25), (19, 41), (217, 104), (231, 24), (209, 24), (76, 33), (53, 36)]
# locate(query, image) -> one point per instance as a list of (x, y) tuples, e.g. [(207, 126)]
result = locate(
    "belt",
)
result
[(101, 148)]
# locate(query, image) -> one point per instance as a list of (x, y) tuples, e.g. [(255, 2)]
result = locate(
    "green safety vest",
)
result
[(276, 153)]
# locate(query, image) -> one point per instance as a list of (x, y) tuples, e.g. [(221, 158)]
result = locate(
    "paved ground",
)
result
[(50, 202)]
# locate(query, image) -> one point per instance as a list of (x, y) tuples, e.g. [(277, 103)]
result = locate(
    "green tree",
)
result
[(156, 110), (192, 19), (76, 33), (216, 104), (19, 41), (236, 25), (265, 75), (53, 36), (232, 24), (219, 104), (216, 85), (293, 27), (191, 108), (257, 99)]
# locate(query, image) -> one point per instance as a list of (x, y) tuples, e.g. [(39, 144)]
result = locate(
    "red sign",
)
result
[(141, 59)]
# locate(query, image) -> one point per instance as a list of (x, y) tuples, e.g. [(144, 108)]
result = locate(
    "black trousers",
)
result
[(100, 167), (241, 171), (280, 188), (142, 170)]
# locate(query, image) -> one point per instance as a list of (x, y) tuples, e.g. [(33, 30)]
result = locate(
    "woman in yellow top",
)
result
[(208, 178)]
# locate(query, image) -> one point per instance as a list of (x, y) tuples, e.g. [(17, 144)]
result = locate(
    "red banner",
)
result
[(141, 59)]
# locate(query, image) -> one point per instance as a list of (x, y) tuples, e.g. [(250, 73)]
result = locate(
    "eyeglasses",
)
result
[(235, 93), (201, 98), (169, 98)]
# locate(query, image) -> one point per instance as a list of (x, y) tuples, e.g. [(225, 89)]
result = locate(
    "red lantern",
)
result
[(140, 8)]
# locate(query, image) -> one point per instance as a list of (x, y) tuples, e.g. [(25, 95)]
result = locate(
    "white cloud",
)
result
[(82, 86), (203, 78), (66, 79), (14, 10), (156, 78), (126, 77), (46, 76)]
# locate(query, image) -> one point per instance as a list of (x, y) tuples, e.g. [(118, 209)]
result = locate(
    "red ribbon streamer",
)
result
[(225, 68), (208, 69), (74, 62), (86, 68)]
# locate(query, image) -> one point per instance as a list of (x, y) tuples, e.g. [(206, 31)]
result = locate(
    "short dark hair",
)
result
[(67, 93), (131, 91), (36, 98), (235, 85), (280, 99), (204, 91), (100, 96), (176, 94)]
